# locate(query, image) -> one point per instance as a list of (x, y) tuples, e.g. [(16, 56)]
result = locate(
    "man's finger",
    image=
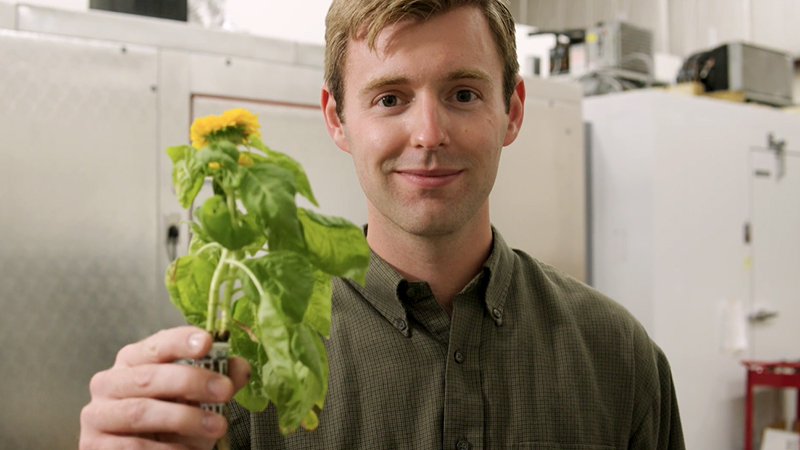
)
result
[(239, 372), (138, 416), (162, 381), (166, 346)]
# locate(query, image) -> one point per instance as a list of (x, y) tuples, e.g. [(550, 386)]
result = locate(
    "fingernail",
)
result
[(213, 423), (217, 388), (196, 341)]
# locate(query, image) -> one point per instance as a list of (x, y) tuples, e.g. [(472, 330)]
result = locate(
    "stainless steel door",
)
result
[(78, 245)]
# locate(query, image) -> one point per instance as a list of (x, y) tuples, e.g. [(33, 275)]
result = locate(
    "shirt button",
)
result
[(462, 445), (497, 314), (400, 324), (459, 357)]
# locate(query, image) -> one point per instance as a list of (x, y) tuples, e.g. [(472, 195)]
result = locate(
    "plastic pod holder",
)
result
[(216, 361)]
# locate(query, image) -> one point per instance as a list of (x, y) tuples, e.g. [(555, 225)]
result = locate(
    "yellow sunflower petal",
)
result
[(238, 117)]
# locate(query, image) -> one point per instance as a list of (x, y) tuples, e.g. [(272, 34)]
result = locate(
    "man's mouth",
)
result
[(429, 179)]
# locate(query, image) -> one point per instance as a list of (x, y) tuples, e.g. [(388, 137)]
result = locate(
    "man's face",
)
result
[(425, 121)]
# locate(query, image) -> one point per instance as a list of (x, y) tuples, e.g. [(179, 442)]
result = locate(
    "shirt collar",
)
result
[(385, 287)]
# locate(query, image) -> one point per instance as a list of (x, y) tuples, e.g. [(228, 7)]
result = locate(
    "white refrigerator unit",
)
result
[(695, 212)]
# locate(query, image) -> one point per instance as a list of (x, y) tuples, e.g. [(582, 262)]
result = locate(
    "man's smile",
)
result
[(430, 179)]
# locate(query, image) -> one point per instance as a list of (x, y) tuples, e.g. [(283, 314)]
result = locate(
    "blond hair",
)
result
[(359, 19)]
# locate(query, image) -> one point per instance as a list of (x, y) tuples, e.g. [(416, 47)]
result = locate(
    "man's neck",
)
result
[(447, 263)]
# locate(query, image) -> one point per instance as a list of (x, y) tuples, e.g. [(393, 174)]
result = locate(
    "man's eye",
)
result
[(389, 101), (465, 96)]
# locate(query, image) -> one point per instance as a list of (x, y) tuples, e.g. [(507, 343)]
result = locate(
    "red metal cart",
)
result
[(773, 374)]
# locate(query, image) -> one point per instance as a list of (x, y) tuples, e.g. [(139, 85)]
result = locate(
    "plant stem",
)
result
[(249, 274), (231, 197), (213, 292), (207, 246), (226, 303)]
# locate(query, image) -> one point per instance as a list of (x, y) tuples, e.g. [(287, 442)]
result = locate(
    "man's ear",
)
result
[(516, 109), (332, 121)]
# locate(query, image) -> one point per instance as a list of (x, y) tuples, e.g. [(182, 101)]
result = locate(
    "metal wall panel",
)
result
[(8, 17), (174, 107), (310, 55), (77, 252), (538, 202), (255, 79), (150, 31)]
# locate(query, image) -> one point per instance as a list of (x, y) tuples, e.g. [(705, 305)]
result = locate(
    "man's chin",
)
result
[(429, 227)]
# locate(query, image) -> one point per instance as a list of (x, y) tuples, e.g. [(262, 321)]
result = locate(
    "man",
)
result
[(456, 341)]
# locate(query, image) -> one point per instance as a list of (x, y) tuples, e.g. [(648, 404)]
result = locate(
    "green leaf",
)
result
[(252, 396), (279, 378), (305, 347), (335, 245), (248, 287), (244, 313), (287, 379), (318, 313), (199, 240), (319, 400), (312, 393), (188, 280), (215, 217), (288, 278), (187, 173), (226, 147), (257, 245), (289, 163), (214, 154), (268, 191), (310, 422)]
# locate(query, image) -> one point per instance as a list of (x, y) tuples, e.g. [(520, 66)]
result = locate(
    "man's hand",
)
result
[(147, 402)]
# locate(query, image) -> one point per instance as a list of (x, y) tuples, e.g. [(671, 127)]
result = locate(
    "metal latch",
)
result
[(762, 315), (779, 147)]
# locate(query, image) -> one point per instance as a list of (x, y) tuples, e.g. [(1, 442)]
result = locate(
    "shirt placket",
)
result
[(463, 398)]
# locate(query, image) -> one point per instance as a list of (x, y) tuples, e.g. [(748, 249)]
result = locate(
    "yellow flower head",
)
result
[(232, 122), (245, 159)]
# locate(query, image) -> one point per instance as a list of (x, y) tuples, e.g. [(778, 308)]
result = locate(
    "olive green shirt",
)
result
[(531, 359)]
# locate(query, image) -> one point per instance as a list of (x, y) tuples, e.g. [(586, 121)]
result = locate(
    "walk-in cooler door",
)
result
[(78, 278)]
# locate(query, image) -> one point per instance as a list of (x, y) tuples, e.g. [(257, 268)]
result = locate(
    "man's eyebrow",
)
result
[(382, 82), (460, 74), (469, 74)]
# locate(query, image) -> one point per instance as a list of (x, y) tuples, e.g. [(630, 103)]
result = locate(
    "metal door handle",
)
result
[(762, 315)]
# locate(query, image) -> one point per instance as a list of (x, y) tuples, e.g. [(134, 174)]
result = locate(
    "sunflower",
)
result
[(235, 124)]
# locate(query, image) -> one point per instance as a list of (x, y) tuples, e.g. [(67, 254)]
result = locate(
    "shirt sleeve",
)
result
[(659, 422)]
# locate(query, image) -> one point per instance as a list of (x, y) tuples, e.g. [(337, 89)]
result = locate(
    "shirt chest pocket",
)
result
[(555, 446)]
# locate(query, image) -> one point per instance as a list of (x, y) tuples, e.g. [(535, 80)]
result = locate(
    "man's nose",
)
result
[(428, 124)]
